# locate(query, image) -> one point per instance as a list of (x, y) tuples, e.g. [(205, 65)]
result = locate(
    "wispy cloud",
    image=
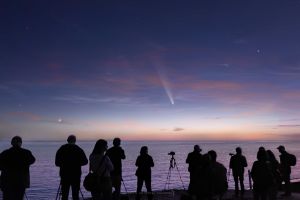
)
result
[(178, 129)]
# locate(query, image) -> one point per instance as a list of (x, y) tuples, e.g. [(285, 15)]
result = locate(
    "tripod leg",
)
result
[(168, 179), (58, 193), (179, 175), (81, 194)]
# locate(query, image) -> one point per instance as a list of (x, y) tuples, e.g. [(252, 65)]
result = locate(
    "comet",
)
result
[(166, 85)]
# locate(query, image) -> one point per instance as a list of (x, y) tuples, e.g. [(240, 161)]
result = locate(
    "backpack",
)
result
[(292, 161)]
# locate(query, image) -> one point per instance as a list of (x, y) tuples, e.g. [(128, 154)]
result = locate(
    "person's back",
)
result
[(116, 154), (218, 175), (70, 158), (15, 164), (261, 174), (285, 169), (194, 160), (237, 163), (144, 162)]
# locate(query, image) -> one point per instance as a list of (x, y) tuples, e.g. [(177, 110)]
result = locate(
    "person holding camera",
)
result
[(194, 160), (237, 163), (144, 162)]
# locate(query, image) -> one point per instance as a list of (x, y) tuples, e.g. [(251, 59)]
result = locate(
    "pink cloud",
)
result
[(25, 115)]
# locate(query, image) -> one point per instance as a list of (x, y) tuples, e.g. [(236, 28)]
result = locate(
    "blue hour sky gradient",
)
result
[(150, 70)]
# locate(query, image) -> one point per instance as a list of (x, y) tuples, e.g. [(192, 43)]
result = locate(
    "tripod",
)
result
[(59, 193), (173, 165)]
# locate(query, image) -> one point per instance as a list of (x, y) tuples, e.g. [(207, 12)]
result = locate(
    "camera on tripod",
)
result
[(171, 153)]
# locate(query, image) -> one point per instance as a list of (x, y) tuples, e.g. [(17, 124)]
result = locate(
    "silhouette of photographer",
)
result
[(15, 163)]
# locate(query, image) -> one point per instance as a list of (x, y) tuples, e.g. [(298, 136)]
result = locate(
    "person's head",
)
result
[(197, 148), (144, 150), (281, 149), (270, 156), (238, 150), (100, 147), (261, 148), (16, 141), (117, 142), (213, 155), (261, 155), (71, 139)]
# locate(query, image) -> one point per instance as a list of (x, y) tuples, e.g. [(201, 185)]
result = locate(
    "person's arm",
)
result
[(245, 162), (109, 165), (58, 159), (123, 154), (83, 158), (137, 162), (151, 162), (31, 158), (231, 163)]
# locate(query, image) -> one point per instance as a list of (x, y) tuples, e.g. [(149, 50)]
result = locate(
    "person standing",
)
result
[(262, 176), (15, 176), (144, 162), (69, 158), (194, 161), (285, 169), (237, 163), (102, 166), (116, 155)]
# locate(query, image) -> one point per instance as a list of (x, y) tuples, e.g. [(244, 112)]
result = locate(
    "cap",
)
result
[(281, 147)]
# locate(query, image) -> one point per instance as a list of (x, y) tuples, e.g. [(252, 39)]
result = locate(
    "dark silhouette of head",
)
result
[(117, 142), (281, 149), (238, 150), (16, 141), (144, 150), (261, 155), (71, 139), (197, 148), (261, 148), (100, 147), (270, 156), (213, 155)]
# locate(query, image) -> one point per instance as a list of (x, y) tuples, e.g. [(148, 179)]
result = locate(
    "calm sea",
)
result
[(45, 179)]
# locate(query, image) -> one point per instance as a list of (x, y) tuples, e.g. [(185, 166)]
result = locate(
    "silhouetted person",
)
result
[(218, 175), (15, 163), (69, 158), (285, 169), (237, 163), (204, 181), (274, 164), (116, 154), (194, 161), (102, 166), (144, 162), (262, 176)]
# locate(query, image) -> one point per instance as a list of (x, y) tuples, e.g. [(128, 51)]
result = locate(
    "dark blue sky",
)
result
[(150, 69)]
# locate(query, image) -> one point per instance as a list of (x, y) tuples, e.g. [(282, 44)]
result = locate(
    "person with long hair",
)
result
[(144, 162), (102, 166)]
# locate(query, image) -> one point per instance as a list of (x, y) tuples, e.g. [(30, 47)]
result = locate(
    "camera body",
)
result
[(171, 153)]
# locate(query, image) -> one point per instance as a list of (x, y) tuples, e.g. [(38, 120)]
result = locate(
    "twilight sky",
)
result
[(138, 69)]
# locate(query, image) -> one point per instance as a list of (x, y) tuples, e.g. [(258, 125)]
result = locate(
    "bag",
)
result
[(292, 161), (90, 181)]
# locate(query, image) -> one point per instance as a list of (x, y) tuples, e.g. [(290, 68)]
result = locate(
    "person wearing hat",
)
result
[(194, 160), (15, 163), (69, 158), (285, 169)]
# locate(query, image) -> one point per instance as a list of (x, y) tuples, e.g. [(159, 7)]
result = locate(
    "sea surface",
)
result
[(45, 178)]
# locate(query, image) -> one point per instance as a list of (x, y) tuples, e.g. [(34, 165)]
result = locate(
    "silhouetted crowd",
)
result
[(208, 177)]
